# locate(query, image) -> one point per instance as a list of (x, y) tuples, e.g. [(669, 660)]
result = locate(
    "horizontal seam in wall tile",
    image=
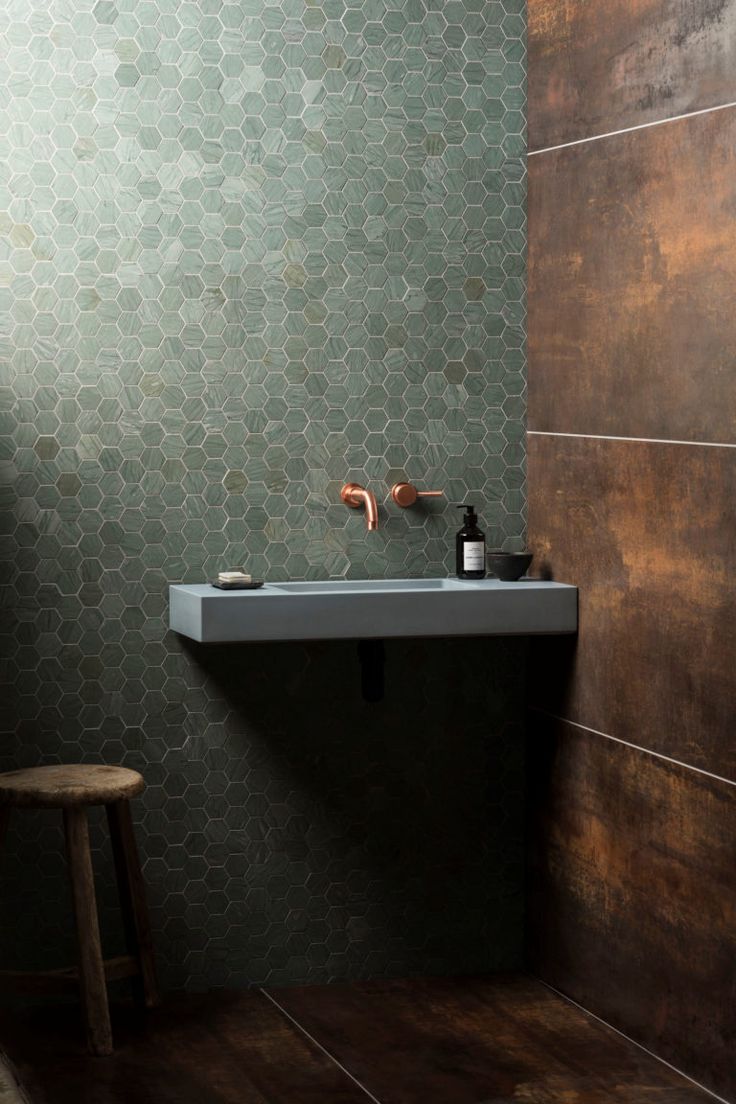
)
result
[(635, 747), (324, 1050), (637, 440), (631, 129), (628, 1038)]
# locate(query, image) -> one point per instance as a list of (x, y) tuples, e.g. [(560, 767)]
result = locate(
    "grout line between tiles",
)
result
[(324, 1050), (639, 440), (631, 129), (628, 1038), (635, 747)]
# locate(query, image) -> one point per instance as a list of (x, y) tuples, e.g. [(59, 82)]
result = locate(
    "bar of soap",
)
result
[(233, 577)]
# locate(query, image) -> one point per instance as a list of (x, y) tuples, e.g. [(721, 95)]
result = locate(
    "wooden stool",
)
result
[(72, 788)]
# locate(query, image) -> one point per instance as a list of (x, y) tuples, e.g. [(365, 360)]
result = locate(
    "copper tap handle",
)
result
[(406, 494)]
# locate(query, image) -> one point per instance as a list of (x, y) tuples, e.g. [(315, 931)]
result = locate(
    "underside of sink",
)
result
[(363, 609)]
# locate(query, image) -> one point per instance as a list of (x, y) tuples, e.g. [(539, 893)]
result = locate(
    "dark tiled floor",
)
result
[(501, 1040)]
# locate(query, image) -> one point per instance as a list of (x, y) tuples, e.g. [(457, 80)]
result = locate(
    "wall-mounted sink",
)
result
[(348, 609)]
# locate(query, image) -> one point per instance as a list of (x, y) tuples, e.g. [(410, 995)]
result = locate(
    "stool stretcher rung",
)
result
[(64, 980)]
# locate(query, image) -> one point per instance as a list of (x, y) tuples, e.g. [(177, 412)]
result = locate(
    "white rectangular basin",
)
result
[(350, 609), (366, 586)]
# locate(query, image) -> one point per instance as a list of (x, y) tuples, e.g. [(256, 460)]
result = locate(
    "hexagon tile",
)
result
[(249, 250)]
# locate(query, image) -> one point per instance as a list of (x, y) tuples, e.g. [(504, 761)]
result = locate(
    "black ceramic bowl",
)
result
[(509, 566)]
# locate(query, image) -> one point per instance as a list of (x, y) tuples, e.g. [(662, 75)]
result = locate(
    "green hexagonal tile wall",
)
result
[(250, 250)]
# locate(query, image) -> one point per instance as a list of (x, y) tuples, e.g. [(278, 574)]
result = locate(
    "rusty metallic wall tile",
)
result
[(602, 65), (632, 333), (633, 894), (648, 533), (632, 265)]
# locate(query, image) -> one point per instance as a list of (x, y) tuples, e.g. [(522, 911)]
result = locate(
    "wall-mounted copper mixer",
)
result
[(354, 495), (406, 494)]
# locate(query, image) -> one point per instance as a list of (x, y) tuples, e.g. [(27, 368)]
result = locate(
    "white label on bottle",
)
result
[(473, 556)]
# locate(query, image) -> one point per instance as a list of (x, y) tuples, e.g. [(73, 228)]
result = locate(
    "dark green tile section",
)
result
[(251, 250), (291, 829)]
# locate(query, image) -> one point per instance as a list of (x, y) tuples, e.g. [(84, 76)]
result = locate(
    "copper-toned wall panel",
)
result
[(632, 266), (602, 65), (633, 895), (648, 532), (632, 334)]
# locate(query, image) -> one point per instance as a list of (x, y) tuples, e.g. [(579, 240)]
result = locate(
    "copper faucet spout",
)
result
[(371, 510), (354, 495)]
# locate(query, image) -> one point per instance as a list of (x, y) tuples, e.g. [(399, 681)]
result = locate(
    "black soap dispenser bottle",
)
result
[(470, 547)]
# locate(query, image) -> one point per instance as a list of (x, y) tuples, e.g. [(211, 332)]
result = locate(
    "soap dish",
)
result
[(255, 584)]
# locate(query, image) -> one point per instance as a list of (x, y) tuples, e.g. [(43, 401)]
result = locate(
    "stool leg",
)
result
[(91, 967), (132, 890)]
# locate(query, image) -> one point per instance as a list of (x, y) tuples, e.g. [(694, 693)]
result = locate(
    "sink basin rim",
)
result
[(371, 586)]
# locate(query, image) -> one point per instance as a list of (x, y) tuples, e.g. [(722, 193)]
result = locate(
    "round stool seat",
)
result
[(67, 785)]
